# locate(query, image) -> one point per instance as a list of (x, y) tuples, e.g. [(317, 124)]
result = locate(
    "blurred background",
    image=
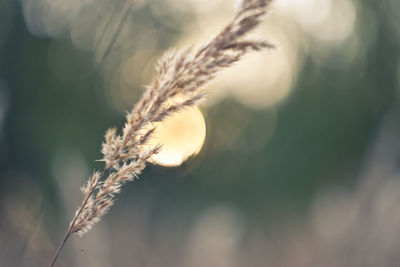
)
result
[(301, 159)]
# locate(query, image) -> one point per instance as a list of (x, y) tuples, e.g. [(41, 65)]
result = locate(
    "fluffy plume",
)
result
[(179, 82)]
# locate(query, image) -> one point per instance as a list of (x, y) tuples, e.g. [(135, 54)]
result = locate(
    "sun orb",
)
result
[(181, 136)]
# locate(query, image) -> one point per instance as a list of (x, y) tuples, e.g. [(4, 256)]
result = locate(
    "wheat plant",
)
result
[(179, 82)]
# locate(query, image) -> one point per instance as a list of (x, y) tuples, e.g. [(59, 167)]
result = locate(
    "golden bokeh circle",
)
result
[(181, 136)]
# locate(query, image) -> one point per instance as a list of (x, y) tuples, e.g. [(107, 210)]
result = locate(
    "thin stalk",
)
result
[(69, 231), (97, 43), (67, 235), (116, 33), (71, 226)]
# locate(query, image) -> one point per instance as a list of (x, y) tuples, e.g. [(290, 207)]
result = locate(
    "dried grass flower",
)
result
[(178, 84)]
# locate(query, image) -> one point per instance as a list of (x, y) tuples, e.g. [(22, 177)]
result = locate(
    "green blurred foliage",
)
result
[(322, 129)]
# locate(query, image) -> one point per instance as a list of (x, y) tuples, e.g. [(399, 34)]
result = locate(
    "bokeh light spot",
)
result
[(181, 136)]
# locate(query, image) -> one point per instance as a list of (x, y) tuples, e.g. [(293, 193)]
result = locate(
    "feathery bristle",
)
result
[(181, 77)]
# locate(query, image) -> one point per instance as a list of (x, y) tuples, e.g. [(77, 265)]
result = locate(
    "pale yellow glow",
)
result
[(331, 21), (181, 136), (200, 6)]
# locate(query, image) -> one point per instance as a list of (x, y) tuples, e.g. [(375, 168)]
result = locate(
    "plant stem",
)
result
[(71, 226), (67, 235)]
